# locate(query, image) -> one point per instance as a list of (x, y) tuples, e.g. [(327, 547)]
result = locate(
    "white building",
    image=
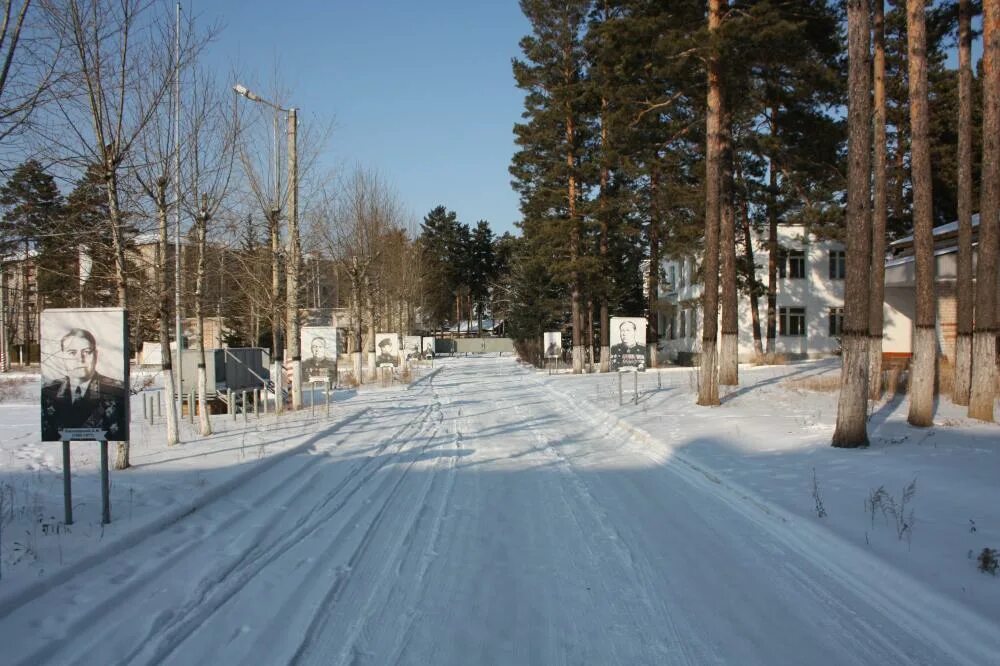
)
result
[(810, 300)]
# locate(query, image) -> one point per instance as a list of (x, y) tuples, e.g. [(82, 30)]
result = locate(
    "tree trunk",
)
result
[(772, 257), (984, 335), (758, 345), (204, 423), (653, 282), (963, 283), (729, 341), (574, 250), (924, 362), (170, 392), (605, 332), (708, 379), (852, 407), (274, 231), (590, 334), (118, 245), (879, 213)]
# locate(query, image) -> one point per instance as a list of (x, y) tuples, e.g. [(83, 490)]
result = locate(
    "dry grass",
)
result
[(768, 359), (820, 384), (14, 389), (349, 380)]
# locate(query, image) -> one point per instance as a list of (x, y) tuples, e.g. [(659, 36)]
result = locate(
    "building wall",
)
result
[(816, 292)]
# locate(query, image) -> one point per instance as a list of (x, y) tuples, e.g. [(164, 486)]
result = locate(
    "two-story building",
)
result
[(809, 309)]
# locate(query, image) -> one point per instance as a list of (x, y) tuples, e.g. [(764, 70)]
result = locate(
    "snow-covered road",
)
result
[(482, 518)]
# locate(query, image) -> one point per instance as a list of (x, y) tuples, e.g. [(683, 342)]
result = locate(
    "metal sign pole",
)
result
[(635, 374), (619, 388), (105, 485), (67, 486), (329, 395)]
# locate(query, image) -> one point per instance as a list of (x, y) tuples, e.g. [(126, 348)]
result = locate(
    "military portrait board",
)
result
[(319, 353), (85, 375), (553, 344), (386, 350), (628, 343)]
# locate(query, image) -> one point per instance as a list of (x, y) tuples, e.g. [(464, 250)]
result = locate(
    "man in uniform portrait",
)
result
[(82, 397), (386, 353), (628, 353), (319, 364)]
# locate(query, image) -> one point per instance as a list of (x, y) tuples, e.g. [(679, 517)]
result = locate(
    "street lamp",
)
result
[(294, 251)]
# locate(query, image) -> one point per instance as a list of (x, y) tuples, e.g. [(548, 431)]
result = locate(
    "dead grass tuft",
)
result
[(821, 384), (769, 359)]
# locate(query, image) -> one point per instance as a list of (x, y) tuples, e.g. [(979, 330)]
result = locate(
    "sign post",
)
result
[(67, 486), (105, 486), (84, 394)]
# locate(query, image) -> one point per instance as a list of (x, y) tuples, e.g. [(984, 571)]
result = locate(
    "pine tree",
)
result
[(922, 368), (984, 366), (963, 278), (852, 407), (547, 168)]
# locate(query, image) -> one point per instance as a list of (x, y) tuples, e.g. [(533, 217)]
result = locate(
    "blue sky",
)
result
[(420, 91)]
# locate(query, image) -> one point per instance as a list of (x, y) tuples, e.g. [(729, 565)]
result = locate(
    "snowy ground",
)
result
[(489, 513)]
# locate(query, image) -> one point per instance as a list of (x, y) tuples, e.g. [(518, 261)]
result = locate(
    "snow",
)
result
[(491, 513)]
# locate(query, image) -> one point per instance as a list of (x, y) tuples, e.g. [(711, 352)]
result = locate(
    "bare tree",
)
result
[(852, 407), (29, 58), (922, 368), (984, 336), (730, 320), (964, 293), (115, 48), (213, 128), (362, 220)]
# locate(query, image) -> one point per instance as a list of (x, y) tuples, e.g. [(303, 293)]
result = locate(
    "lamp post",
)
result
[(294, 250)]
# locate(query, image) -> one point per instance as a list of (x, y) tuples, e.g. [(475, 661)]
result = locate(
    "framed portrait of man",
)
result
[(319, 352), (386, 350), (427, 348), (553, 344), (85, 375), (411, 348), (628, 343)]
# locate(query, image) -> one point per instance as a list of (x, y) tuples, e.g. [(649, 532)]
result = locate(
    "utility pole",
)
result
[(292, 347), (292, 281)]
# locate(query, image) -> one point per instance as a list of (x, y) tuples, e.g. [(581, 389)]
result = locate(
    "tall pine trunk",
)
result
[(924, 362), (876, 322), (751, 270), (984, 335), (772, 255), (852, 407), (604, 324), (708, 379), (730, 320), (964, 293), (574, 240), (653, 282)]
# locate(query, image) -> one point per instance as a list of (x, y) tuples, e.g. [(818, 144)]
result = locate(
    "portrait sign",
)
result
[(386, 350), (553, 344), (428, 347), (628, 343), (411, 348), (85, 378), (319, 353)]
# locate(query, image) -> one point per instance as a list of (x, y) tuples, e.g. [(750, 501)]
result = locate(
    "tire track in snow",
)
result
[(673, 647), (318, 640), (216, 592)]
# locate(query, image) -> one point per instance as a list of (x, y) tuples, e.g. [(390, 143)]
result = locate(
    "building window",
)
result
[(791, 263), (683, 325), (792, 322), (836, 321), (694, 322), (838, 265)]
